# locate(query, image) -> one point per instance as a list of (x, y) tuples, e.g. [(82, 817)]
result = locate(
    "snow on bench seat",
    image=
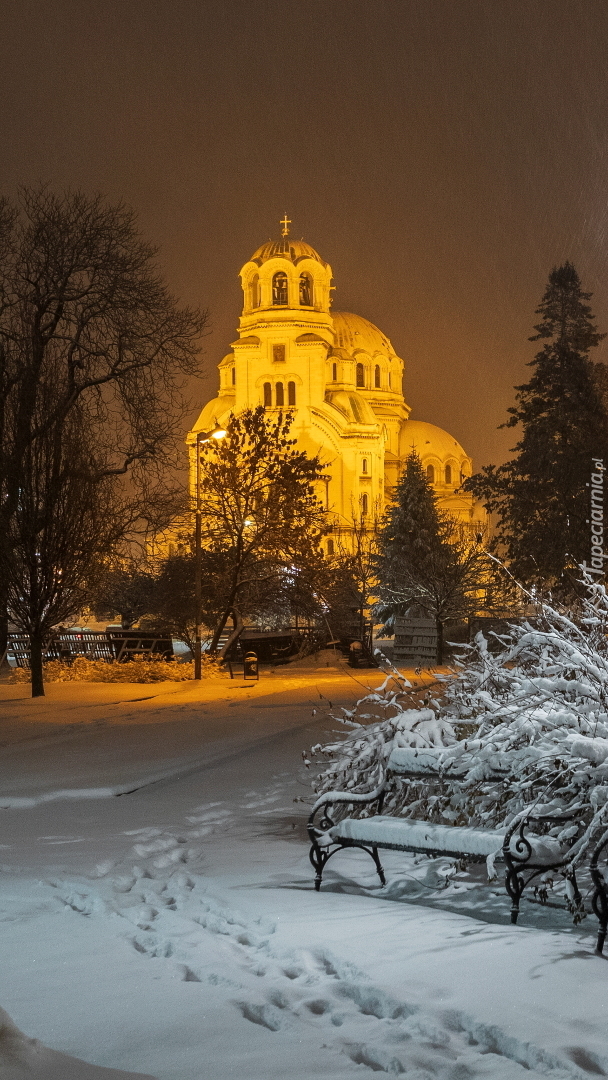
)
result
[(418, 835), (412, 835)]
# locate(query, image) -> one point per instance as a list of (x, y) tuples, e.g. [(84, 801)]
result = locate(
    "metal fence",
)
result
[(68, 645)]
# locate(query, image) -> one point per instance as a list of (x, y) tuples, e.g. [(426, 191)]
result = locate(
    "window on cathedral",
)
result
[(279, 394), (364, 505), (377, 375), (448, 474), (291, 393), (306, 290), (430, 474), (389, 380), (254, 291), (278, 354), (334, 372), (330, 547), (364, 465), (267, 395), (360, 375), (233, 376), (279, 288)]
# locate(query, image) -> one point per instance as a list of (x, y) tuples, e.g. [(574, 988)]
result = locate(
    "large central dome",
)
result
[(354, 332), (286, 248)]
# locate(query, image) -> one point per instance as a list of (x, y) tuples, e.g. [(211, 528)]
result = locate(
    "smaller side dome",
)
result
[(216, 411), (431, 441), (354, 407), (354, 332)]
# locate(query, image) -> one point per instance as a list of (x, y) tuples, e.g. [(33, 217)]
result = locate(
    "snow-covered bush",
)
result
[(538, 708), (136, 671)]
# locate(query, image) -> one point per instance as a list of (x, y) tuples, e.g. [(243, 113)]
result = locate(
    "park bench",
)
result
[(526, 855)]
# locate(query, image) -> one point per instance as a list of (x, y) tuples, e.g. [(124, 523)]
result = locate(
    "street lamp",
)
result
[(201, 437)]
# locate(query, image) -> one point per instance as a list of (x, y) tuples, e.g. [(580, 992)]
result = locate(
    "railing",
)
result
[(68, 645), (64, 646)]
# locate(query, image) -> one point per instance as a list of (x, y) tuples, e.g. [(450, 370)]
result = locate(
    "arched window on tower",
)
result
[(279, 394), (360, 375), (330, 547), (279, 288), (377, 376), (334, 372), (291, 393), (254, 291), (389, 380), (364, 465), (306, 290), (364, 505), (233, 376), (267, 395), (430, 474), (448, 474)]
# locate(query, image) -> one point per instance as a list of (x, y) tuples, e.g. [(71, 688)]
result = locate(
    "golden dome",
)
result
[(214, 412), (355, 332), (285, 248), (430, 440), (354, 407)]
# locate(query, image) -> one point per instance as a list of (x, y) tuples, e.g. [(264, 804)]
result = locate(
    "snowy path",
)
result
[(174, 932)]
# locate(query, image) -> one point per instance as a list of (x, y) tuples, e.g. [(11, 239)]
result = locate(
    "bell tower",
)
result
[(285, 329)]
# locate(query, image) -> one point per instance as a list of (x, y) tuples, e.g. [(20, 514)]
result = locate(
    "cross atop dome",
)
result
[(286, 222)]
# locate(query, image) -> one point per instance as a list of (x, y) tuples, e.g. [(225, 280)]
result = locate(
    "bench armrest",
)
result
[(348, 796), (332, 798)]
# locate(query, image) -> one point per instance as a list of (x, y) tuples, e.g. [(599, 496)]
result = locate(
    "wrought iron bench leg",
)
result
[(379, 868), (514, 885), (599, 900), (599, 903), (318, 860), (577, 896)]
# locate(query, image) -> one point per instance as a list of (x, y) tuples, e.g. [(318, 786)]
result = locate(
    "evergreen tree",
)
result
[(540, 497), (422, 560)]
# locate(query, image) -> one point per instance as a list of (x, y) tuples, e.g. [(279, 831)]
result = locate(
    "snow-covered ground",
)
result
[(172, 930)]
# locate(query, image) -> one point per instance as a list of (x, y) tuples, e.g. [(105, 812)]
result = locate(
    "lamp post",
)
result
[(201, 437)]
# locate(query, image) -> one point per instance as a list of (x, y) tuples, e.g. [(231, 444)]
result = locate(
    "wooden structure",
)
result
[(415, 641)]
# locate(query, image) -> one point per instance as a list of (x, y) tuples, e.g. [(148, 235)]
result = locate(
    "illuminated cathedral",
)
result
[(342, 380)]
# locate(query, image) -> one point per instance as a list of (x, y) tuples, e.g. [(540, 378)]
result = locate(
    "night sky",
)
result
[(442, 155)]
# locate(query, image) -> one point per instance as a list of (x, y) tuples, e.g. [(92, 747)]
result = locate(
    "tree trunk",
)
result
[(36, 665), (439, 625), (221, 624), (217, 633), (236, 632), (3, 629)]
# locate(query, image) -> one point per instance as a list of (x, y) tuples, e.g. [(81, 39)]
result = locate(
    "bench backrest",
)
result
[(435, 761)]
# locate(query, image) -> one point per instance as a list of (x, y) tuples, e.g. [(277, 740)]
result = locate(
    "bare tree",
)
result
[(258, 507), (66, 519), (84, 313)]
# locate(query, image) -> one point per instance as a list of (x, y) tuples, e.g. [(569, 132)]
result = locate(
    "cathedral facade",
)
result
[(342, 380)]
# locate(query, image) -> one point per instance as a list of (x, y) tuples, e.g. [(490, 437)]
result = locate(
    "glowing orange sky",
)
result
[(441, 156)]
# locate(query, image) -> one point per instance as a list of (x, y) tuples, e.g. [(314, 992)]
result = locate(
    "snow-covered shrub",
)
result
[(146, 670), (539, 709), (359, 761)]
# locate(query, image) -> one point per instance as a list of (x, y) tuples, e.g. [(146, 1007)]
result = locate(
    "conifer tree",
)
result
[(540, 497), (423, 561)]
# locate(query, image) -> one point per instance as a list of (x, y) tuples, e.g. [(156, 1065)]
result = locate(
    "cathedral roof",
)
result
[(428, 439), (354, 407), (286, 248), (355, 332)]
